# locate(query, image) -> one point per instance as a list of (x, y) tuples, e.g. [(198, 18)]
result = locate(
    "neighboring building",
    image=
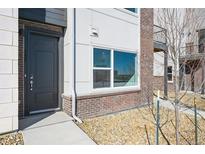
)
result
[(86, 62), (191, 72)]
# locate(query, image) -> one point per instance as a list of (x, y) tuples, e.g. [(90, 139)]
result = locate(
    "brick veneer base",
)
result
[(91, 106)]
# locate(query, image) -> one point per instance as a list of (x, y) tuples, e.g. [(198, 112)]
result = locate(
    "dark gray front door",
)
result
[(42, 72)]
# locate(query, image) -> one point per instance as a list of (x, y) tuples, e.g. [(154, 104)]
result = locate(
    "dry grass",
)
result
[(128, 127)]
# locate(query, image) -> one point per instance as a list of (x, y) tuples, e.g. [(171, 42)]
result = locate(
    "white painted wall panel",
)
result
[(8, 52), (15, 122), (15, 94), (6, 37), (15, 67), (10, 24), (5, 66), (83, 26), (5, 95), (6, 11), (9, 81), (83, 61), (15, 39), (114, 32), (6, 124), (8, 70), (8, 110)]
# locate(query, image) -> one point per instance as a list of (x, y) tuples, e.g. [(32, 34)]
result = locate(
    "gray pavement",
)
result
[(53, 129)]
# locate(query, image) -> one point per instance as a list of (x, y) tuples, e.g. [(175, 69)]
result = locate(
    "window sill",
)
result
[(109, 92), (115, 89)]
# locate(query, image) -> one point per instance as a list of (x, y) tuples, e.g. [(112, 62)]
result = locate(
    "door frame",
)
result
[(60, 53)]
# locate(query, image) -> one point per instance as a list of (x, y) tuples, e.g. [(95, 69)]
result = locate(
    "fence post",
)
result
[(195, 119), (157, 121)]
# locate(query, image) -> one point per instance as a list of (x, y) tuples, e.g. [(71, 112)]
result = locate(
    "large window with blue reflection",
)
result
[(125, 69), (102, 58), (113, 68)]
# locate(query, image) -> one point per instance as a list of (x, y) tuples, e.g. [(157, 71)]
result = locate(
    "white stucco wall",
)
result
[(116, 28), (8, 70)]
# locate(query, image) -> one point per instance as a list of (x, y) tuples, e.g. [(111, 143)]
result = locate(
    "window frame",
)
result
[(132, 11), (169, 81), (112, 88), (102, 68), (129, 12)]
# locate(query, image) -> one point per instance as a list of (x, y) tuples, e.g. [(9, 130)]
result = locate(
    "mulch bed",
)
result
[(137, 126), (15, 138)]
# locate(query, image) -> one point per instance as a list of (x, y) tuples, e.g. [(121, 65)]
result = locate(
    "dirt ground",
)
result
[(130, 127)]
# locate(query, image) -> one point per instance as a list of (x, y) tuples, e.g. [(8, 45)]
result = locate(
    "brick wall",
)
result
[(158, 84), (96, 105), (197, 80), (22, 25), (8, 70)]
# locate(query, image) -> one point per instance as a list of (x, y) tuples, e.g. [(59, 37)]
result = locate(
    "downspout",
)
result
[(73, 68)]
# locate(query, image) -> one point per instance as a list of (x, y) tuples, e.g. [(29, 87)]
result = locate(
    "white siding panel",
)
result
[(8, 52), (83, 63), (6, 37), (8, 110), (5, 95), (8, 81), (6, 11), (5, 66), (114, 32), (10, 24), (6, 124)]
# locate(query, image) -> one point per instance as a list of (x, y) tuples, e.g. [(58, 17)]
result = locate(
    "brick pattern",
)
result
[(197, 80), (22, 25), (89, 106), (158, 84)]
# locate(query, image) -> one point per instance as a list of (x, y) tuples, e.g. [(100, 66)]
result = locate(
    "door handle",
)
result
[(31, 82)]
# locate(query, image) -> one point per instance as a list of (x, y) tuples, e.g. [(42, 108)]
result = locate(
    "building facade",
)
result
[(191, 55), (86, 62)]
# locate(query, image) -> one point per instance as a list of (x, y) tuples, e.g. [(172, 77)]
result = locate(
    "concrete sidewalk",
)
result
[(53, 129), (182, 108)]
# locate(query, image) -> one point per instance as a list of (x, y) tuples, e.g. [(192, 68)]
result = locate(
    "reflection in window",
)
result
[(125, 69), (101, 58), (134, 10), (102, 68), (101, 78), (169, 73)]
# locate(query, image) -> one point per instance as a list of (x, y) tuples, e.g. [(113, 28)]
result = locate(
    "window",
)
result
[(169, 73), (124, 69), (102, 68), (190, 47), (134, 10), (112, 68)]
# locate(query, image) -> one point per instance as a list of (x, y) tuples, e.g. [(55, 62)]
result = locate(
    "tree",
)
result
[(181, 26)]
